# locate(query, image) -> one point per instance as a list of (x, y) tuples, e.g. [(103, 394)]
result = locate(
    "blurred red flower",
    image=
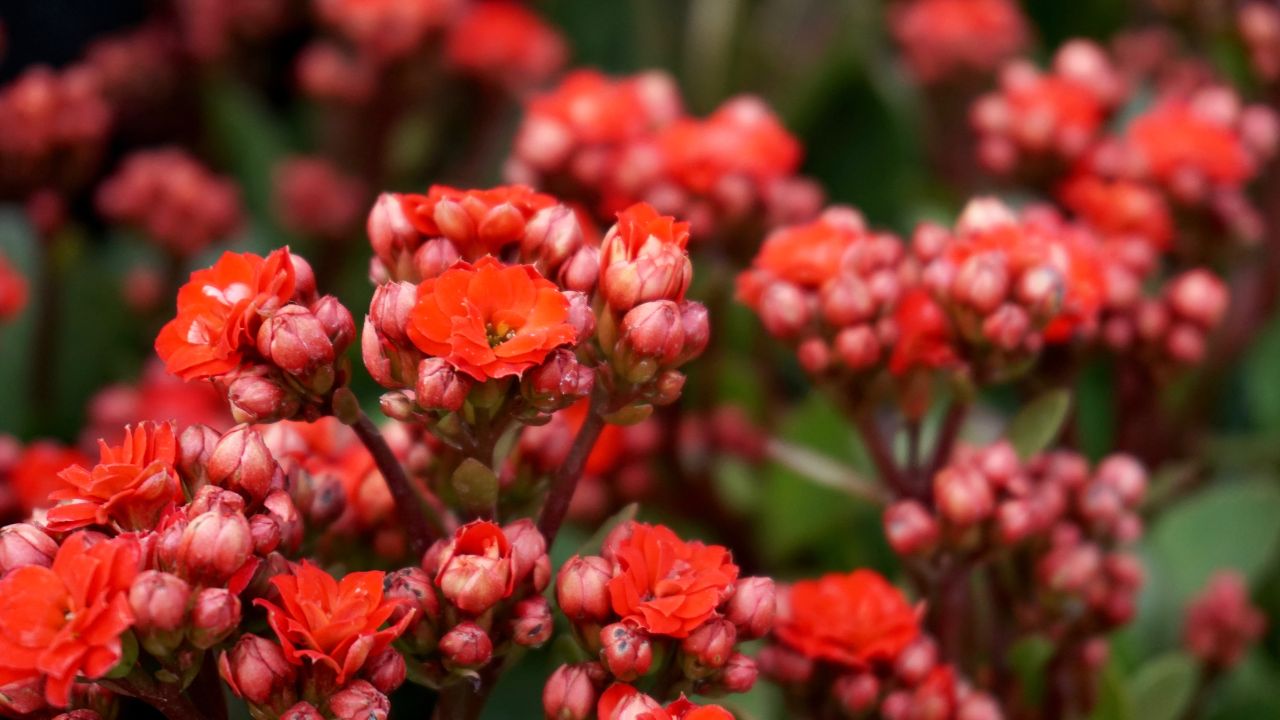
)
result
[(506, 42), (35, 475), (851, 619), (924, 334), (131, 485), (477, 222)]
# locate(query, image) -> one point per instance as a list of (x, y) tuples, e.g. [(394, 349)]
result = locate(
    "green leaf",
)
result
[(476, 486), (1262, 395), (1163, 687), (1028, 657), (1226, 526), (1114, 702), (128, 656), (1036, 426)]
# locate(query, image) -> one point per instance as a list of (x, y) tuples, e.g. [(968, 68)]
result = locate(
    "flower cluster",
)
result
[(313, 198), (258, 329), (477, 597), (505, 43), (53, 125), (655, 605), (942, 39), (1222, 623), (611, 143), (854, 641), (174, 201)]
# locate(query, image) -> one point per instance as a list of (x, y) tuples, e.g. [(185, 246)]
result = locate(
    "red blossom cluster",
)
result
[(1222, 623), (854, 640), (655, 605), (258, 329), (172, 199), (315, 199), (609, 143), (53, 126), (942, 39)]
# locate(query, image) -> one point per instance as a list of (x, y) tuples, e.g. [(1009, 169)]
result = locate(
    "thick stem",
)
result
[(413, 513), (888, 469), (566, 478), (206, 690), (462, 701), (947, 435)]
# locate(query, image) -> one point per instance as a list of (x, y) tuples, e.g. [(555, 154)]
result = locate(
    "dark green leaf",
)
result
[(1038, 423)]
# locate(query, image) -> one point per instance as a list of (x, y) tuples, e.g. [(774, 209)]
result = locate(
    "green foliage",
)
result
[(1038, 423), (1163, 687)]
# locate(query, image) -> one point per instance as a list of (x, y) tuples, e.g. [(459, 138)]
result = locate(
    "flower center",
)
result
[(498, 334)]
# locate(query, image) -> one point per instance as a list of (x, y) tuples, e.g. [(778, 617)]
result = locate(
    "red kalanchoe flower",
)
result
[(477, 222), (131, 485), (742, 138), (220, 310), (924, 339), (336, 624), (665, 585), (805, 255), (1119, 209), (490, 320), (624, 702), (1222, 623), (34, 477), (644, 258), (66, 620), (1175, 139), (941, 37), (506, 42), (475, 567), (851, 619)]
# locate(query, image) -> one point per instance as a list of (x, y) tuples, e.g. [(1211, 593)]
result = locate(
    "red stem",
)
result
[(566, 478), (418, 519)]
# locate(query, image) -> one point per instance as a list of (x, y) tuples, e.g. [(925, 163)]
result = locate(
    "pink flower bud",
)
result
[(569, 694), (581, 316), (1015, 520), (858, 347), (386, 670), (784, 309), (708, 648), (625, 651), (214, 616), (558, 382), (412, 587), (910, 528), (22, 544), (295, 341), (390, 231), (1126, 476), (466, 647), (856, 692), (581, 271), (752, 607), (581, 589), (846, 300), (304, 280), (78, 715), (1041, 290), (1222, 622), (434, 257), (978, 706), (241, 462), (195, 444), (256, 398), (785, 665), (280, 508), (257, 671), (320, 497), (739, 674), (531, 622), (551, 236), (814, 355), (528, 553), (696, 323), (916, 661), (475, 568), (1007, 327), (359, 701), (337, 322), (389, 311), (653, 331), (982, 282), (661, 275), (1071, 569), (159, 603), (440, 386), (963, 495), (214, 546), (302, 711)]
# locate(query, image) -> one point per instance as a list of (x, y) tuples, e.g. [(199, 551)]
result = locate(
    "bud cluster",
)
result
[(1259, 26), (1173, 328), (1222, 623), (259, 330), (616, 142), (476, 598), (172, 199), (946, 39), (53, 126), (315, 199), (654, 605), (505, 44), (1064, 520), (1038, 119)]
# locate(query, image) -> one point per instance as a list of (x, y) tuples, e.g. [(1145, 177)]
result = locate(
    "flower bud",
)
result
[(847, 301), (475, 568), (390, 231), (1007, 327), (978, 706), (981, 282), (625, 651), (856, 692), (295, 341), (389, 311), (159, 604), (434, 257), (1199, 296), (910, 528), (558, 382), (752, 607), (662, 275), (581, 317), (359, 701), (214, 546), (23, 544), (814, 355), (386, 670), (785, 665), (581, 589), (696, 323), (255, 398), (1126, 476), (280, 508), (466, 647), (784, 309), (302, 711), (739, 674), (531, 622), (1071, 569), (257, 671), (551, 235), (78, 715), (337, 322), (528, 552), (708, 648), (916, 661), (195, 444), (858, 347), (240, 461), (581, 271), (1041, 290), (653, 331), (963, 495), (212, 498), (214, 616), (440, 386), (569, 694), (320, 497), (1015, 520)]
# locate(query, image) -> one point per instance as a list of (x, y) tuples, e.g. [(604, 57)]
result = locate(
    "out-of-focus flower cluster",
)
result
[(944, 39)]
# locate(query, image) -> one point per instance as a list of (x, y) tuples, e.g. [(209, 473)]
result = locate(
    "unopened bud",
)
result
[(916, 661), (214, 546), (569, 694), (581, 271), (295, 341), (359, 700), (23, 544), (963, 496), (581, 589), (785, 665), (1041, 290), (856, 692), (214, 616), (1015, 520), (1125, 474), (528, 554), (978, 706), (581, 317), (257, 671), (653, 331), (531, 622), (858, 347), (910, 528), (981, 282), (242, 462), (752, 607), (337, 322), (195, 445), (558, 382), (302, 711), (696, 324), (255, 398), (625, 651), (739, 674), (784, 309), (434, 257), (390, 231), (708, 648), (466, 647), (1007, 327), (551, 235), (386, 670), (159, 604), (440, 386)]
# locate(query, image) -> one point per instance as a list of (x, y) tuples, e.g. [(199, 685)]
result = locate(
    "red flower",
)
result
[(507, 42), (220, 310), (332, 623), (66, 620), (477, 222), (805, 255), (1119, 208), (35, 476), (1172, 139), (940, 37), (742, 138), (490, 320), (643, 257), (475, 567), (668, 586), (13, 290), (591, 107), (624, 701), (131, 485), (924, 334), (852, 619)]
